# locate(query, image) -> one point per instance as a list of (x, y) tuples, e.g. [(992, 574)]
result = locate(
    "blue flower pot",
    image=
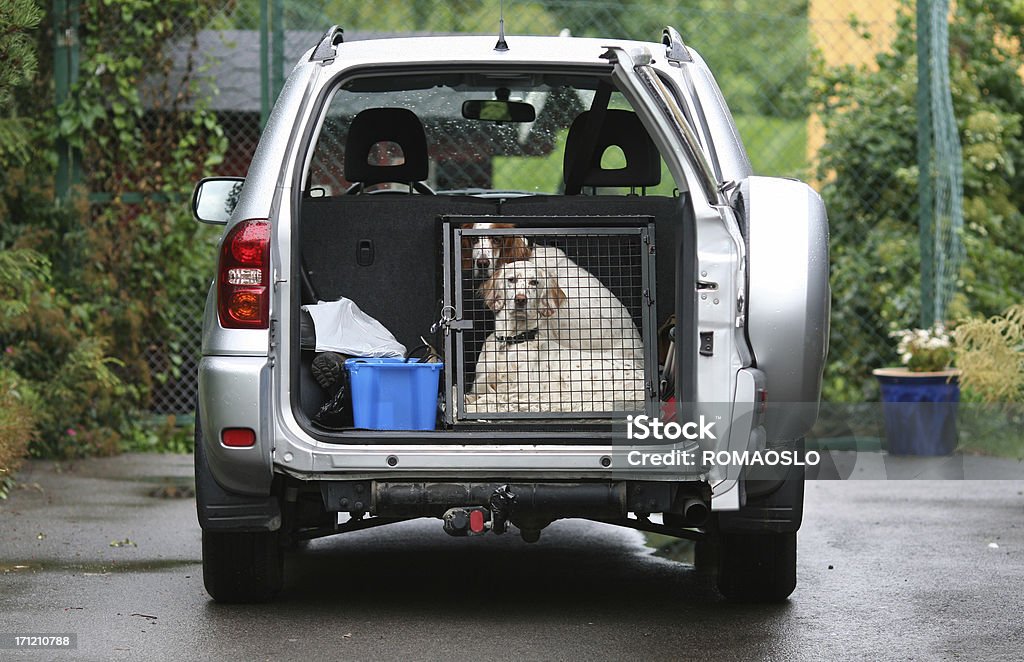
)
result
[(920, 410)]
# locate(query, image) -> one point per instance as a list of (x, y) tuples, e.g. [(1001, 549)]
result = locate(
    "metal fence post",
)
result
[(264, 62), (926, 193), (277, 49), (65, 74), (271, 55)]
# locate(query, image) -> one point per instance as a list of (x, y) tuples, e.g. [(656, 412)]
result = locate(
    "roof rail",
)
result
[(325, 50), (675, 49)]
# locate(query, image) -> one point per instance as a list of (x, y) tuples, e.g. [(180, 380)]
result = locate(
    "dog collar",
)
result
[(525, 336)]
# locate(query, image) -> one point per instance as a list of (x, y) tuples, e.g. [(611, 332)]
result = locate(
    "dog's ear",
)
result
[(520, 249), (512, 248), (502, 246), (490, 294), (554, 297)]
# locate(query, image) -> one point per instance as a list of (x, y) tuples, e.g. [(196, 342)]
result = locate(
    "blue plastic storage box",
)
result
[(390, 394)]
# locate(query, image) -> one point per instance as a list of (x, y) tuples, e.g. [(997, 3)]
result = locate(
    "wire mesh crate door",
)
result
[(559, 317)]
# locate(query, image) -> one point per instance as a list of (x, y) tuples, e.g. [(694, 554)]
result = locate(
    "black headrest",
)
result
[(623, 129), (376, 125)]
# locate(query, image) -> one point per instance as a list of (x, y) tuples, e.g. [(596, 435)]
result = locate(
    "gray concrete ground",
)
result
[(888, 570)]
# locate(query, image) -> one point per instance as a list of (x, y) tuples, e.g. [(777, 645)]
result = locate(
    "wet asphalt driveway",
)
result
[(894, 570)]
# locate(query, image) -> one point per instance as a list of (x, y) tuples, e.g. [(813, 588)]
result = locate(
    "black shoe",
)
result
[(336, 411), (327, 368)]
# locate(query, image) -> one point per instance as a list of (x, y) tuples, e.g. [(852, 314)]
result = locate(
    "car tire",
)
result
[(757, 567), (705, 556), (242, 567)]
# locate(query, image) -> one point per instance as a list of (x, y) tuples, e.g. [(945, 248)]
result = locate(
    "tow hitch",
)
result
[(474, 508), (473, 520)]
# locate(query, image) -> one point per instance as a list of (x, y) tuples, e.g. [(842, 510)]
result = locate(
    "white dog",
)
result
[(592, 318), (524, 367)]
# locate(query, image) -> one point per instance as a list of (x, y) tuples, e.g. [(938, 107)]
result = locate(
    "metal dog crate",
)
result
[(579, 367)]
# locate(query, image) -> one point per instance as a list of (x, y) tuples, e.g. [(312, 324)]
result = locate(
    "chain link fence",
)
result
[(764, 57)]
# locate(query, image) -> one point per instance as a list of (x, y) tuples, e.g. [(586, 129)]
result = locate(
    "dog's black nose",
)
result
[(483, 263), (520, 301)]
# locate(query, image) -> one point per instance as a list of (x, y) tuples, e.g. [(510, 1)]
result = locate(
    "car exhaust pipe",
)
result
[(695, 512)]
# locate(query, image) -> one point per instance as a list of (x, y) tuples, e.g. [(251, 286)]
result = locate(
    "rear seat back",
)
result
[(384, 253)]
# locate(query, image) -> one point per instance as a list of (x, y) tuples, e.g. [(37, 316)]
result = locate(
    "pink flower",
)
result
[(9, 350), (71, 432)]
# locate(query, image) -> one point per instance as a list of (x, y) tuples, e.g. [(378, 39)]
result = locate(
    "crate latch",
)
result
[(449, 323)]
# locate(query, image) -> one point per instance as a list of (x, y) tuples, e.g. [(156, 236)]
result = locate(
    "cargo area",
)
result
[(406, 261)]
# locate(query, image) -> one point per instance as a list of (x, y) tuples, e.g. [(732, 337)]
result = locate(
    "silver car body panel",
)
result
[(790, 298), (245, 376), (730, 154), (234, 392)]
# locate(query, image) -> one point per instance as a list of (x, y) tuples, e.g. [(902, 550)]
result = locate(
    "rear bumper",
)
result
[(237, 391)]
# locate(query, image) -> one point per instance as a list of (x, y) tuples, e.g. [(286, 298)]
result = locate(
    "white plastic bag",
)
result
[(342, 327)]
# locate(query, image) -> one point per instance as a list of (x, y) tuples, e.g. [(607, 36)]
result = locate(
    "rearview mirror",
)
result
[(215, 198), (498, 111)]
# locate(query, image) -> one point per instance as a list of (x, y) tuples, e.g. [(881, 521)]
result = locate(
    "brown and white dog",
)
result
[(482, 255), (593, 317), (523, 366)]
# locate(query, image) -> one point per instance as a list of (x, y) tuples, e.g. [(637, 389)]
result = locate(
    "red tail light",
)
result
[(243, 276)]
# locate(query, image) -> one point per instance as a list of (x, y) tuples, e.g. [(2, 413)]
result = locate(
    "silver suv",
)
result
[(502, 284)]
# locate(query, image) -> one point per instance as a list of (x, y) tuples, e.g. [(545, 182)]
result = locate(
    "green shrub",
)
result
[(17, 426), (868, 164), (160, 434), (143, 145), (990, 356), (93, 289), (18, 64), (63, 372)]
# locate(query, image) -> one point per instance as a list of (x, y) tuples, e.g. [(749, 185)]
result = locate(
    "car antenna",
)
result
[(501, 45)]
